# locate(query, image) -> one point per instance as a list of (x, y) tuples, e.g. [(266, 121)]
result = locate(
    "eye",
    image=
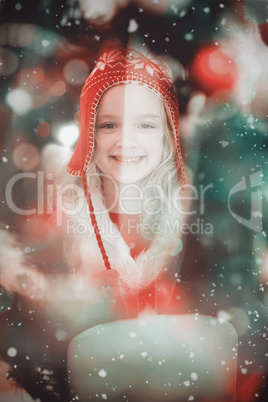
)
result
[(108, 126), (146, 126)]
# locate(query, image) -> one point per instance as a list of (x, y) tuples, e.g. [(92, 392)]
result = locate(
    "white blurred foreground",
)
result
[(155, 358)]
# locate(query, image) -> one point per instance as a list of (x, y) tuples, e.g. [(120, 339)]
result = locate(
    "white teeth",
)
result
[(135, 159)]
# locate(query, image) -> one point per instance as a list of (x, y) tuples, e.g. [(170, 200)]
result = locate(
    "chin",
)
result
[(128, 179)]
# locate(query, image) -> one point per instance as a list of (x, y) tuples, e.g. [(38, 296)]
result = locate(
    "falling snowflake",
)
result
[(102, 373), (132, 26), (194, 376), (12, 352)]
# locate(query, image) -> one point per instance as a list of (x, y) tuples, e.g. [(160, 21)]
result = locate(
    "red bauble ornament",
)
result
[(212, 70)]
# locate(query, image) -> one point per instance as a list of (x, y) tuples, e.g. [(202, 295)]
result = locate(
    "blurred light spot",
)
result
[(19, 100), (197, 104), (12, 352), (102, 373), (43, 129), (186, 127), (37, 83), (76, 71), (29, 76), (213, 70), (251, 65), (224, 143), (4, 159), (189, 36), (8, 62), (45, 42), (58, 88), (19, 34), (61, 334), (25, 156), (132, 26), (194, 376), (224, 315), (18, 6), (77, 117), (99, 12), (53, 155), (68, 134)]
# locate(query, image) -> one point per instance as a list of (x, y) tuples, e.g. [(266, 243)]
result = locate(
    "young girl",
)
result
[(129, 158)]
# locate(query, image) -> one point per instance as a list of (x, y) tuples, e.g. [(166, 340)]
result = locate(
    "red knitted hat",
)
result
[(117, 66)]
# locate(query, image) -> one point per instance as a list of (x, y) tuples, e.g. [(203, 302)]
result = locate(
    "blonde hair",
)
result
[(165, 177)]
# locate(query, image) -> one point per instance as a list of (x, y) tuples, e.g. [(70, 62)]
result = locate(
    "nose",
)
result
[(127, 137)]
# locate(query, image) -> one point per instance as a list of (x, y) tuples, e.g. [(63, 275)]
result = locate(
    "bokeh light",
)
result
[(25, 157), (44, 41), (43, 129), (19, 100), (8, 62), (213, 70), (196, 105), (76, 71), (53, 155), (37, 83), (68, 134), (58, 88)]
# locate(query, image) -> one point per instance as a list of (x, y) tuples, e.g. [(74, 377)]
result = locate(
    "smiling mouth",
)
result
[(128, 159)]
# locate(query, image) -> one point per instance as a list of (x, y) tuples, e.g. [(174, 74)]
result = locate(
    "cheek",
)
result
[(156, 148), (100, 153), (102, 145)]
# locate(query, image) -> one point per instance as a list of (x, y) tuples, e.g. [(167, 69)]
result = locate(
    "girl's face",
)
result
[(130, 132)]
